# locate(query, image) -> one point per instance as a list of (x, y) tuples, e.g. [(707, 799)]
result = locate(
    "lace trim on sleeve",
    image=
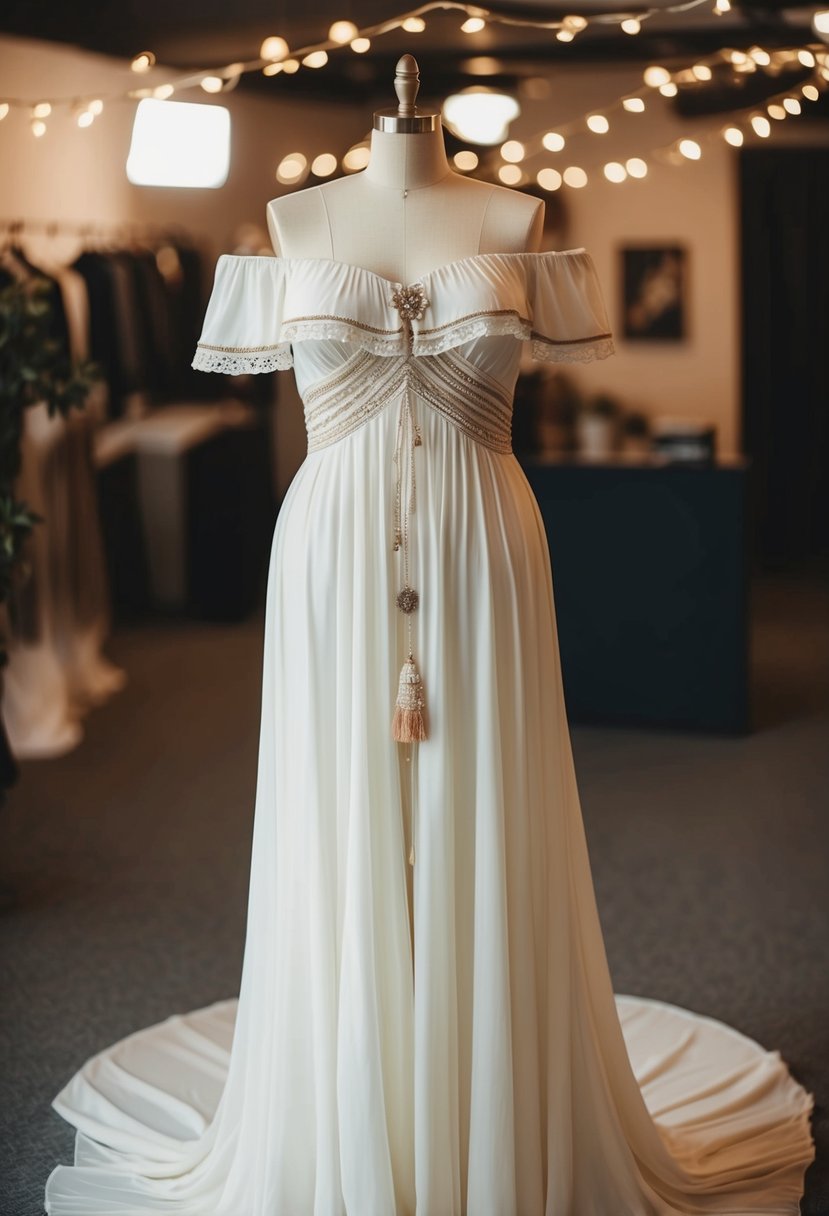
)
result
[(231, 361), (583, 351)]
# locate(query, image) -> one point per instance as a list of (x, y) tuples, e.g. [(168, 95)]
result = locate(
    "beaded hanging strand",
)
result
[(408, 723)]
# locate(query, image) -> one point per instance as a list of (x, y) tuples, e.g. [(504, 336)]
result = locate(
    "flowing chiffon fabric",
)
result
[(442, 1038)]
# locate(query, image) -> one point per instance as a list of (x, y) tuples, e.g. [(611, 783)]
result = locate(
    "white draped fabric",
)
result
[(438, 1038)]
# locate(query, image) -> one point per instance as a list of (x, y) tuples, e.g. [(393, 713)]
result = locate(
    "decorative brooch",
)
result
[(411, 301)]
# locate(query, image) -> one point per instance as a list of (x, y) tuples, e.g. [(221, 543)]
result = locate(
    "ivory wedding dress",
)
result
[(426, 1022)]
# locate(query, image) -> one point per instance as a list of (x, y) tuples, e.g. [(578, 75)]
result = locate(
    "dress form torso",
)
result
[(407, 213)]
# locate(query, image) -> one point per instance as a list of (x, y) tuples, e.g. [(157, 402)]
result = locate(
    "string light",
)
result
[(465, 161), (575, 176), (414, 25), (598, 123), (552, 141), (810, 92), (41, 110), (776, 111), (316, 59), (360, 45), (615, 172), (143, 61), (655, 76), (510, 175), (38, 127), (290, 66), (4, 109), (324, 164), (669, 89), (792, 105), (636, 167), (733, 136), (806, 58), (163, 92), (473, 25), (690, 149), (212, 84), (512, 151), (761, 125), (549, 179), (343, 32), (631, 26), (274, 48), (635, 105), (565, 35), (722, 6)]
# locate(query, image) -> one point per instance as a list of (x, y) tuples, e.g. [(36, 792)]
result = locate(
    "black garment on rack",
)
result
[(104, 340)]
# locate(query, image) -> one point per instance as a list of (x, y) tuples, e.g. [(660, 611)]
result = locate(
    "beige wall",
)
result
[(79, 174)]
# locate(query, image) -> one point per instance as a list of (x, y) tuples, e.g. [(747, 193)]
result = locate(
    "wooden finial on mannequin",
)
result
[(406, 118)]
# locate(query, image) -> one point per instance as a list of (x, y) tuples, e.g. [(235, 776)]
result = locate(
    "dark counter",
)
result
[(650, 574)]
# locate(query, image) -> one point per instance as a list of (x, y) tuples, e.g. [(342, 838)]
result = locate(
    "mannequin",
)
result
[(408, 212)]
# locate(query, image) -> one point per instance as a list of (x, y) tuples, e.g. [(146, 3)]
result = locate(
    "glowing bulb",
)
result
[(634, 104), (274, 48), (212, 84), (806, 58), (324, 164), (291, 168), (810, 92), (356, 157), (733, 136), (512, 150), (738, 56), (614, 172), (343, 32), (162, 92), (552, 141), (290, 66), (96, 106), (722, 6), (4, 109), (414, 25), (820, 22), (690, 149), (761, 125), (360, 45), (85, 118), (631, 26), (316, 59), (473, 25), (598, 123), (510, 175), (636, 167), (574, 22), (792, 105), (38, 127), (701, 71), (655, 76), (761, 57), (565, 35), (549, 179), (41, 110), (575, 177), (669, 89), (143, 61), (775, 111), (465, 161)]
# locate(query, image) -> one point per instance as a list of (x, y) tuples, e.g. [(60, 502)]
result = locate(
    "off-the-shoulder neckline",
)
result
[(454, 264)]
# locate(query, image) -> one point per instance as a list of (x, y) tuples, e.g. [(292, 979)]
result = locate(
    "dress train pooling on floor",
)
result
[(438, 1038)]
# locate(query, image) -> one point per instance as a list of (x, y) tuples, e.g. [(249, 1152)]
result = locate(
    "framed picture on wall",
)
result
[(654, 289)]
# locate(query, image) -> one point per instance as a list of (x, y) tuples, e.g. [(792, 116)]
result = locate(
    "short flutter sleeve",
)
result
[(242, 325), (568, 317)]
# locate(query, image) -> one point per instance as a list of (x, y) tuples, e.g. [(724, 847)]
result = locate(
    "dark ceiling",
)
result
[(187, 34)]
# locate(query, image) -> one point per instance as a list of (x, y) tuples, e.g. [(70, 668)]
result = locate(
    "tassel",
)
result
[(408, 723)]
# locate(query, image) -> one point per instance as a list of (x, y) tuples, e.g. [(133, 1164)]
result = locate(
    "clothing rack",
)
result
[(128, 229)]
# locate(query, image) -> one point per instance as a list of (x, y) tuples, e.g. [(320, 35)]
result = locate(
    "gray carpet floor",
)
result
[(126, 866)]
